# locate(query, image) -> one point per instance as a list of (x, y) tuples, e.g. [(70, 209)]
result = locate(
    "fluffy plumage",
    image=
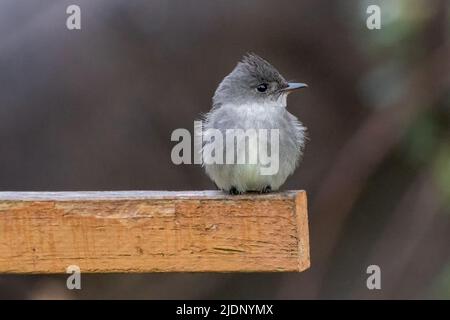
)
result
[(238, 104)]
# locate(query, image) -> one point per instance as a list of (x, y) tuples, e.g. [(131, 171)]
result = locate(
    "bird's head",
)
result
[(254, 81)]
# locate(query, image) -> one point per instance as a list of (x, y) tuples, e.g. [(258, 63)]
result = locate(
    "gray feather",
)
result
[(238, 105)]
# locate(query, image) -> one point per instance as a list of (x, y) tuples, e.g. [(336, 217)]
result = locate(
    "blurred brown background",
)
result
[(94, 110)]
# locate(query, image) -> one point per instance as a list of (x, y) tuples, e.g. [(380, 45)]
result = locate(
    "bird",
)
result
[(253, 96)]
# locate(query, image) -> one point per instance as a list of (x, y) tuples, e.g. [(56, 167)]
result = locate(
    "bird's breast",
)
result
[(256, 116)]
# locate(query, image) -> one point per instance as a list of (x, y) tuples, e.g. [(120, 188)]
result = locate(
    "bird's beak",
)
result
[(294, 86)]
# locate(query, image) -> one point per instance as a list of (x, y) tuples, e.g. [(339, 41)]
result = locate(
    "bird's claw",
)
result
[(234, 191)]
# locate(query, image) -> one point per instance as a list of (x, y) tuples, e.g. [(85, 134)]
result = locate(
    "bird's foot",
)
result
[(234, 191), (266, 189)]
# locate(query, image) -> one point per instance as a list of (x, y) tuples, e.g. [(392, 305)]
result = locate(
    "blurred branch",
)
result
[(411, 221), (371, 144)]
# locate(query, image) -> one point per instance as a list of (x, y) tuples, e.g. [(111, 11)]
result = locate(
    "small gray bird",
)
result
[(253, 96)]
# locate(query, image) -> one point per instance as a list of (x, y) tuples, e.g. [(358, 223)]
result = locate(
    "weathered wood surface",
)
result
[(152, 231)]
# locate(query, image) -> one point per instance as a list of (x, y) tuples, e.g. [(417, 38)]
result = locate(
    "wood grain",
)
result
[(153, 231)]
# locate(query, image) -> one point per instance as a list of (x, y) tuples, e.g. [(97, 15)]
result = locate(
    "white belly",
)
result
[(248, 177)]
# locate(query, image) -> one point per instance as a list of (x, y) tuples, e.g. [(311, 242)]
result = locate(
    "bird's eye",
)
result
[(262, 87)]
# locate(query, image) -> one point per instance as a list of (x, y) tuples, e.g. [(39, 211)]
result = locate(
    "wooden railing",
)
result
[(153, 231)]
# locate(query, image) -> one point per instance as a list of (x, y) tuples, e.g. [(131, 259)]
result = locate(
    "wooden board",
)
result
[(153, 231)]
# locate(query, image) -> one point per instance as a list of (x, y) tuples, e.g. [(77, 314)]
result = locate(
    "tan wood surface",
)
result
[(153, 231)]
